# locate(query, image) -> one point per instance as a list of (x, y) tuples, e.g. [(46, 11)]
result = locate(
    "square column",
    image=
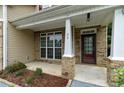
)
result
[(68, 59), (116, 59), (68, 48), (117, 46), (4, 36)]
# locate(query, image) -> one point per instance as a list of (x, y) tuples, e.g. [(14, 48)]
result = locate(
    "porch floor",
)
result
[(85, 73)]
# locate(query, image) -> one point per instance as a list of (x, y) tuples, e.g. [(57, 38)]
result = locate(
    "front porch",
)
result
[(84, 73), (70, 45)]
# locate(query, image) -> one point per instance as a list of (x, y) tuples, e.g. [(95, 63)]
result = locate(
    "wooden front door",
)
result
[(88, 48)]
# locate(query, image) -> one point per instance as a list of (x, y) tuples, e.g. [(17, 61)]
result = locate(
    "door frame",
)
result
[(90, 31)]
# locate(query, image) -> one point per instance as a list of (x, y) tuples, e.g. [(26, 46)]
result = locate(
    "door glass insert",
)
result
[(88, 45)]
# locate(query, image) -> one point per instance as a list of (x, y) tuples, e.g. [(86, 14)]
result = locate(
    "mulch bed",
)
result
[(45, 80)]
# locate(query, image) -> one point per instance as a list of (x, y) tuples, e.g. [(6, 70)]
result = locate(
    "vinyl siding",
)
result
[(20, 43)]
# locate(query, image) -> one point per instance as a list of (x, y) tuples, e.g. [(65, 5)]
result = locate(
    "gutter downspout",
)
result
[(4, 36)]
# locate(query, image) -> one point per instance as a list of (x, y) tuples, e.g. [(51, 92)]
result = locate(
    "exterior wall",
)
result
[(1, 46), (20, 45), (111, 74), (68, 67), (15, 11), (37, 45), (77, 46), (101, 42), (101, 46)]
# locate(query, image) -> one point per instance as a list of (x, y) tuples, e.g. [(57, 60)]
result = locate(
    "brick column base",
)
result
[(111, 74), (68, 67)]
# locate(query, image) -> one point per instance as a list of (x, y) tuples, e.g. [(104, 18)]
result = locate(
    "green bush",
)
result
[(29, 80), (120, 76), (20, 72), (15, 67), (38, 72), (9, 69)]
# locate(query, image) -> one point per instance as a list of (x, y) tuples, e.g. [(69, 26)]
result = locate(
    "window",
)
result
[(43, 45), (58, 40), (51, 45), (50, 38)]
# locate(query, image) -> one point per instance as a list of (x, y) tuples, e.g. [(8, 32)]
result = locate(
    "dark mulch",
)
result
[(45, 80)]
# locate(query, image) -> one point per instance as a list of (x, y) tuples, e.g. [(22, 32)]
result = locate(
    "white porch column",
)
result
[(4, 36), (116, 59), (68, 59), (117, 46), (68, 48)]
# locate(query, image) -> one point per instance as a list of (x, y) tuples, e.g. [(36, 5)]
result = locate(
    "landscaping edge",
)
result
[(10, 84), (69, 83)]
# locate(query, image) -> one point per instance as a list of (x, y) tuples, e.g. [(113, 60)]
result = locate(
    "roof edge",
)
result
[(40, 12)]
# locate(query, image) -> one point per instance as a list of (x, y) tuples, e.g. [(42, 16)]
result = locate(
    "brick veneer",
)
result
[(101, 46), (37, 45), (101, 42), (111, 74), (68, 67)]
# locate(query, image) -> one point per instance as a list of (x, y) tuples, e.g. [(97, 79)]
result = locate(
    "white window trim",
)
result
[(46, 58)]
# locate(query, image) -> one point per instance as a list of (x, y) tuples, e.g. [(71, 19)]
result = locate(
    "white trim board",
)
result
[(94, 31), (21, 25)]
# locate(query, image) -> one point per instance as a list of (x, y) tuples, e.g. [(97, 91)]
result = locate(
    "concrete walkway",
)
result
[(53, 69), (91, 74), (84, 73), (76, 83), (3, 85)]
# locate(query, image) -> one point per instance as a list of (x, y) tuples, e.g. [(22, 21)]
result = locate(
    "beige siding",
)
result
[(20, 10), (20, 43)]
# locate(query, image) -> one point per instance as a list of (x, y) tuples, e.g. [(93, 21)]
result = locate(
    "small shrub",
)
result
[(15, 67), (1, 72), (120, 76), (29, 80), (18, 66), (20, 72), (38, 72), (9, 69)]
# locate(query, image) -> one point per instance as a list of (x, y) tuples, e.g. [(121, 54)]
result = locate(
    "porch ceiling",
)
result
[(100, 15)]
